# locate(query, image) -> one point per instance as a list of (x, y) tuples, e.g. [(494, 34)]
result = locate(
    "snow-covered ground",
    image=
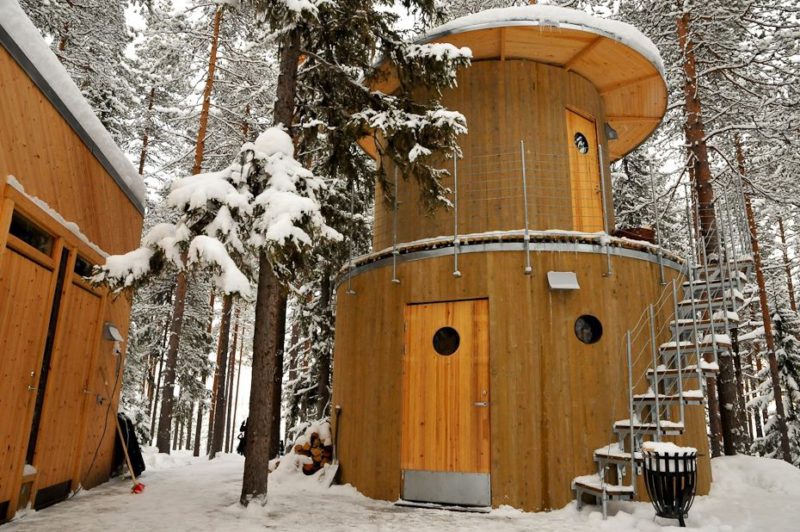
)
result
[(185, 493)]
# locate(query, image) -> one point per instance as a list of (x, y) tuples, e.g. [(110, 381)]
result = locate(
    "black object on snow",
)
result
[(134, 451), (671, 481), (242, 445)]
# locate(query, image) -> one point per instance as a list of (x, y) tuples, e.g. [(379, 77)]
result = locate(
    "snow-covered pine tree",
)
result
[(331, 48), (90, 38)]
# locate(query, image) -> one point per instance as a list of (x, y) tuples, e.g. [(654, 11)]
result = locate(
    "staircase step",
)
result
[(614, 454), (701, 303), (688, 372), (593, 485), (690, 397), (706, 345), (668, 428), (684, 325)]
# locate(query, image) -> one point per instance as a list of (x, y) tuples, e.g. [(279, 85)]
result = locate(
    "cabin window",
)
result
[(581, 143), (588, 329), (31, 234), (446, 341), (83, 267)]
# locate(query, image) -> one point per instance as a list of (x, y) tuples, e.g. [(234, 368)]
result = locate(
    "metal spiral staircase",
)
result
[(676, 372)]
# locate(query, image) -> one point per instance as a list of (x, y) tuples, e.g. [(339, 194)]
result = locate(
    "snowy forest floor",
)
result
[(186, 493)]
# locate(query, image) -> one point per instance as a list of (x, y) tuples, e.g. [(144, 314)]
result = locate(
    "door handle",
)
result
[(481, 403), (32, 389)]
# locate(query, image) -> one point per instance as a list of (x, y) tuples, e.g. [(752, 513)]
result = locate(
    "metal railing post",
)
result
[(712, 324), (678, 354), (692, 264), (527, 237), (603, 195), (658, 227), (456, 243), (630, 408), (655, 370)]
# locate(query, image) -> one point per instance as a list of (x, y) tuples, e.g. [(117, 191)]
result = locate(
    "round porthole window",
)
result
[(446, 341), (581, 143), (588, 329)]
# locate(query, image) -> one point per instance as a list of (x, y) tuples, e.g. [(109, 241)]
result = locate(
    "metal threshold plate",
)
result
[(462, 489)]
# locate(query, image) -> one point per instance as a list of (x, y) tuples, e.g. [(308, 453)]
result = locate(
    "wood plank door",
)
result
[(58, 442), (584, 168), (25, 302), (445, 421)]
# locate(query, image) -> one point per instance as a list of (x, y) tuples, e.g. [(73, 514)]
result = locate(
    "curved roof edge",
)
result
[(551, 16), (28, 48)]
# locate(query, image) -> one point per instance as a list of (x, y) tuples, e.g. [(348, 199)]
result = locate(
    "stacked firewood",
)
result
[(316, 449)]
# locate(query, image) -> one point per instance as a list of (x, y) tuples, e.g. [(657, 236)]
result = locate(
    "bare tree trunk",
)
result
[(229, 386), (268, 336), (214, 385), (220, 372), (756, 412), (780, 414), (786, 266), (700, 169), (176, 326), (151, 99), (198, 429), (168, 393), (204, 110), (189, 417), (324, 359), (234, 430), (154, 405)]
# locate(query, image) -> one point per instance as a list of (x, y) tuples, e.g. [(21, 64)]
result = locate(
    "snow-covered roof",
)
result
[(552, 16), (26, 45), (620, 61)]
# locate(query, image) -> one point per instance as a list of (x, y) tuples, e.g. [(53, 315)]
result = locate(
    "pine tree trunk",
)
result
[(151, 99), (745, 438), (756, 413), (189, 418), (167, 401), (324, 360), (198, 430), (229, 386), (215, 384), (204, 111), (780, 415), (700, 169), (786, 266), (269, 332), (234, 429), (168, 392), (220, 372)]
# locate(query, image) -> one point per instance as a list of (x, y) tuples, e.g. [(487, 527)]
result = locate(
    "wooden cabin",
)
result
[(480, 349), (68, 198)]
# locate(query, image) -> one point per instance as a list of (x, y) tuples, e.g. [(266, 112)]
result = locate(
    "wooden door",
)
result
[(584, 168), (58, 442), (445, 425), (25, 303)]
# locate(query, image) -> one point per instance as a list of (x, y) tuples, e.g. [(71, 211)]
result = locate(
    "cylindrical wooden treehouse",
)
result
[(480, 354)]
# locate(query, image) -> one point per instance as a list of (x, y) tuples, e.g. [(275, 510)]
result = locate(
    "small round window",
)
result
[(446, 341), (588, 329), (581, 143)]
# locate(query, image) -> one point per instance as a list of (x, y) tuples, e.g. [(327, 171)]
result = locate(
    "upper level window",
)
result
[(31, 234), (83, 267)]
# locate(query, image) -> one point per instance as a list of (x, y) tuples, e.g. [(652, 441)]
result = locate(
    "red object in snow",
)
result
[(137, 488)]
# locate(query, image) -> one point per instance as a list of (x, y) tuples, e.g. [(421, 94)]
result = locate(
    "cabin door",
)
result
[(584, 168), (24, 309), (445, 422)]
